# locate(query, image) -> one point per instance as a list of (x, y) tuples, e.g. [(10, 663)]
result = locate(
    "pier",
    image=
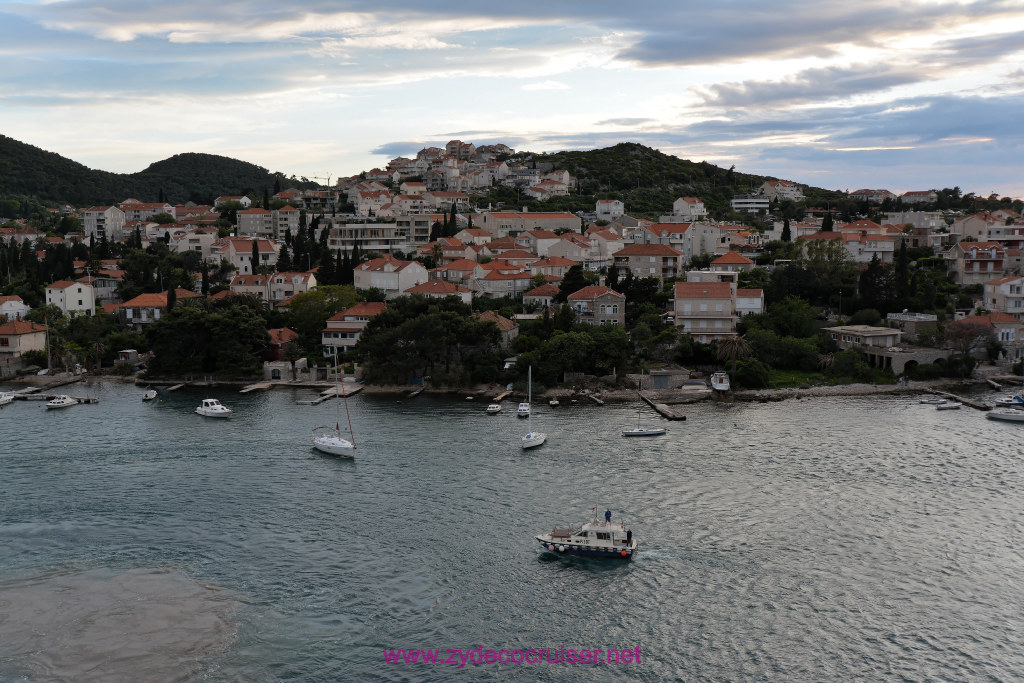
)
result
[(663, 409), (977, 405), (259, 386)]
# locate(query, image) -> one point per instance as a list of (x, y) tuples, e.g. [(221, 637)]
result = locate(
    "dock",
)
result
[(977, 405), (415, 392), (501, 397), (663, 409), (175, 387), (259, 386), (595, 399), (333, 392)]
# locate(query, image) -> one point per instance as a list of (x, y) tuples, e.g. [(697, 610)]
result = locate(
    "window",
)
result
[(5, 341), (703, 307)]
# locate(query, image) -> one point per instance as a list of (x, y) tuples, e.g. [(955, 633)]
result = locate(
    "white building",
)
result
[(72, 298)]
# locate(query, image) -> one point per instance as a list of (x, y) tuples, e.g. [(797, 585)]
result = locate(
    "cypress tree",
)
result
[(206, 280), (346, 270), (254, 259), (786, 235)]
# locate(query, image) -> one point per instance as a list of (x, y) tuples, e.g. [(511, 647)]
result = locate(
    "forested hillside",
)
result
[(27, 171)]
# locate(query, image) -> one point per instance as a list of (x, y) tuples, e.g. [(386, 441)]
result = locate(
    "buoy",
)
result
[(551, 548), (561, 548), (623, 553)]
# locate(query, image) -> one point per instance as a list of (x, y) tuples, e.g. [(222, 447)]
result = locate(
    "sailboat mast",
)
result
[(344, 397)]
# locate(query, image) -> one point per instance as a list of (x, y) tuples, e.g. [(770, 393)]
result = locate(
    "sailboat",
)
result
[(532, 438), (642, 431), (329, 440)]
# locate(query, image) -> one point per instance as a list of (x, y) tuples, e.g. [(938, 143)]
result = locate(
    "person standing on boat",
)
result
[(608, 516)]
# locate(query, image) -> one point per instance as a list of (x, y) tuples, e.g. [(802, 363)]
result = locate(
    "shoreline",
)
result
[(488, 392)]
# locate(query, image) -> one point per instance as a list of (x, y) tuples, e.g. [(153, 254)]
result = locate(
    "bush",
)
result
[(752, 374)]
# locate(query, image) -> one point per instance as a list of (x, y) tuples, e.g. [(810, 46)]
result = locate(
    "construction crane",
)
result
[(328, 186)]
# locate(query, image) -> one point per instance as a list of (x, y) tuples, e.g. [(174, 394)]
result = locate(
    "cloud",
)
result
[(809, 85), (546, 85), (625, 122)]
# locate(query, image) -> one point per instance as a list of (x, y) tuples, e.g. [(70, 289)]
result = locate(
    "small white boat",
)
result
[(720, 381), (642, 431), (932, 401), (948, 405), (532, 439), (211, 407), (553, 403), (1006, 415), (62, 401), (149, 395), (597, 538), (523, 410), (493, 409), (5, 398), (1011, 401)]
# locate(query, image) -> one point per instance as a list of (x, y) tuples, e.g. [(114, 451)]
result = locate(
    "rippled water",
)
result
[(829, 539)]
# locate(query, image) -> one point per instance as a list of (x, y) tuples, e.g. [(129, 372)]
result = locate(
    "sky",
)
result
[(917, 95)]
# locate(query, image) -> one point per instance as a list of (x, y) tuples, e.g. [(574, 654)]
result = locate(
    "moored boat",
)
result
[(596, 538), (720, 381), (493, 409), (948, 405), (62, 401), (149, 395), (523, 410), (531, 439), (5, 398), (1006, 415), (211, 407)]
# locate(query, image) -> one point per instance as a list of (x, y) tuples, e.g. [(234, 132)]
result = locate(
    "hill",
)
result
[(29, 171), (648, 181)]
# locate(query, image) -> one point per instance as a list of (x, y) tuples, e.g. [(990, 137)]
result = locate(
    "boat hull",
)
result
[(1007, 416), (217, 413), (576, 550), (534, 439), (654, 431)]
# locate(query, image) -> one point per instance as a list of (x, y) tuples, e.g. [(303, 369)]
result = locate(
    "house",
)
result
[(135, 210), (238, 251), (1005, 295), (872, 196), (343, 329), (686, 210), (732, 262), (101, 222), (247, 283), (781, 189), (541, 297), (508, 328), (609, 209), (19, 336), (279, 340), (749, 302), (599, 305), (1007, 330), (503, 282), (919, 197), (72, 298), (283, 286), (749, 203), (390, 275), (912, 324), (857, 336), (244, 201), (148, 308), (976, 262), (440, 289), (255, 223), (554, 266), (649, 260), (13, 308), (705, 310)]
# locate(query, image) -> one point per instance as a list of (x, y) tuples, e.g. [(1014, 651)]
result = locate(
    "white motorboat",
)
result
[(5, 398), (329, 439), (948, 405), (1011, 401), (932, 400), (596, 538), (211, 407), (532, 439), (493, 409), (523, 410), (720, 381), (149, 395), (1010, 415), (639, 430), (62, 401), (553, 403)]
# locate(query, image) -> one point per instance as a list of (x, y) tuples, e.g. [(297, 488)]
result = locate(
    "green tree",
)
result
[(731, 349)]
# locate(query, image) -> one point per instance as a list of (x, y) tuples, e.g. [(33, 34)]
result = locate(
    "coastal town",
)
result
[(774, 289)]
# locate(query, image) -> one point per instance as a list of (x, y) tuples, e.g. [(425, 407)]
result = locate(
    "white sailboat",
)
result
[(329, 440), (532, 438), (642, 431)]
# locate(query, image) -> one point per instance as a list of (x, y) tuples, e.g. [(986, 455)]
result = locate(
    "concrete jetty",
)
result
[(662, 409)]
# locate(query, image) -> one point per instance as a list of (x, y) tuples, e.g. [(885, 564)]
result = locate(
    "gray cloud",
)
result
[(625, 122), (811, 85)]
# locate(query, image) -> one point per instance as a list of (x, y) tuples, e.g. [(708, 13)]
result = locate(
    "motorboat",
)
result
[(523, 410), (329, 439), (720, 381), (5, 398), (553, 403), (932, 400), (1006, 415), (1011, 401), (62, 401), (149, 395), (948, 405), (531, 439), (493, 409), (596, 538), (211, 407)]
